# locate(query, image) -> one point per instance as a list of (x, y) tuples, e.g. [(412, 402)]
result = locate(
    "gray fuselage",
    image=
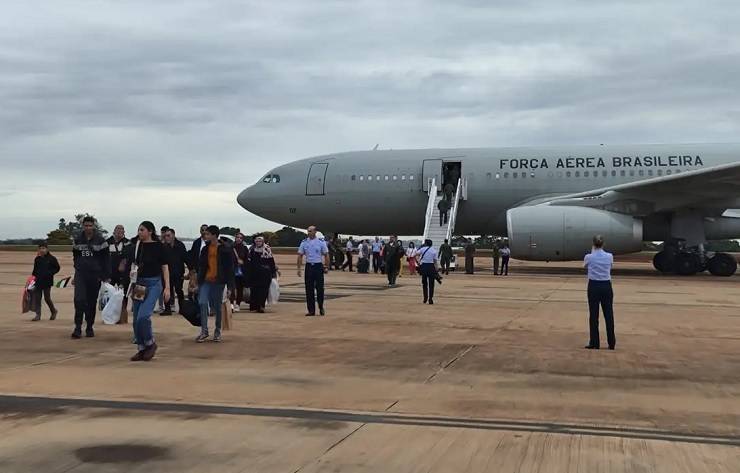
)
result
[(384, 192)]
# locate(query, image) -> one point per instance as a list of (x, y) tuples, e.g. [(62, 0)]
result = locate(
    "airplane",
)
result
[(549, 201)]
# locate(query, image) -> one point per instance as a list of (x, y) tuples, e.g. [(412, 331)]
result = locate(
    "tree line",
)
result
[(67, 230)]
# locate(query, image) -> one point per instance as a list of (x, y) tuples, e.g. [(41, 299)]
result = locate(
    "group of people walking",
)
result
[(151, 269)]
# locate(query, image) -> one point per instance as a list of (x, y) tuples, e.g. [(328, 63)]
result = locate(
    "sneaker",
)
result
[(149, 352), (217, 338), (54, 315), (235, 308), (37, 318), (90, 333), (201, 338), (77, 334)]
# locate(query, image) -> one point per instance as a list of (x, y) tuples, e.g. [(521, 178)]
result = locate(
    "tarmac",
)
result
[(492, 378)]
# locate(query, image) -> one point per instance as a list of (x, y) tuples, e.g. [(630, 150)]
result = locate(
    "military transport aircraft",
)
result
[(549, 200)]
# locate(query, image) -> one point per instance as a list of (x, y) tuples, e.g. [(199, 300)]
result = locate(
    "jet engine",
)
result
[(563, 233)]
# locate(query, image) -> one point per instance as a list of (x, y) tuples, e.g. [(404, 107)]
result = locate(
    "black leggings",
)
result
[(237, 296), (46, 294)]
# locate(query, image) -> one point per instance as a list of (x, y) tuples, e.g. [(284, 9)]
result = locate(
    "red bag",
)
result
[(27, 294)]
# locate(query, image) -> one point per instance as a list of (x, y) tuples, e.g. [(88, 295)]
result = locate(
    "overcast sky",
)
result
[(165, 110)]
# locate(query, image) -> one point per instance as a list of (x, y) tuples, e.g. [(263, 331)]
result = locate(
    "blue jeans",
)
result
[(210, 295), (142, 311)]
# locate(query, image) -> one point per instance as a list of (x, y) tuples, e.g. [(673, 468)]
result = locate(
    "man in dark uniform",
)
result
[(118, 246), (92, 266), (449, 191), (177, 255), (496, 256), (469, 257), (454, 175), (444, 211), (330, 246), (445, 256), (392, 255)]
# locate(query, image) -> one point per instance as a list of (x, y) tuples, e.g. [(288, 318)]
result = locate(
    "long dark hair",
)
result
[(152, 229)]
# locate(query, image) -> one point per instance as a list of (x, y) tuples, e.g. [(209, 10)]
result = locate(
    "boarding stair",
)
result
[(432, 229)]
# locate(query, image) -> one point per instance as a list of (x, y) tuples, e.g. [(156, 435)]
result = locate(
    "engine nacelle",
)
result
[(563, 233)]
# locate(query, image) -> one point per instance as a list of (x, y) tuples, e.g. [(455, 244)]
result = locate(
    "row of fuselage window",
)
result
[(595, 174), (394, 177), (524, 174)]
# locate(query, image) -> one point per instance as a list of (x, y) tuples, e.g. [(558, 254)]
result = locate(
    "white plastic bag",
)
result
[(103, 295), (273, 297), (111, 313)]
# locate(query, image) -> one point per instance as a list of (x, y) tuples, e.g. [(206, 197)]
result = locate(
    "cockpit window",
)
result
[(271, 179)]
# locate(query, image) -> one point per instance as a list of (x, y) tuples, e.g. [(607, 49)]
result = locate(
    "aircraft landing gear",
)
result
[(687, 263), (674, 261), (722, 264), (664, 261)]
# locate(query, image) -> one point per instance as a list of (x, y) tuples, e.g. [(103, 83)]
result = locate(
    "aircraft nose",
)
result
[(245, 197)]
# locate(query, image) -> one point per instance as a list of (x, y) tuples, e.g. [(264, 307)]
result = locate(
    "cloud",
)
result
[(208, 95)]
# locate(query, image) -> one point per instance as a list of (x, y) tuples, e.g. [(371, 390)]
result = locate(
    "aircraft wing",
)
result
[(713, 190)]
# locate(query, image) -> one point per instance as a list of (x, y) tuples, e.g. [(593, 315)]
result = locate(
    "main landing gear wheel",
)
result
[(722, 264), (687, 264), (664, 261)]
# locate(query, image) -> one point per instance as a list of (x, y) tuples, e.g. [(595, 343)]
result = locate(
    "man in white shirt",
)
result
[(377, 245), (599, 263), (428, 259)]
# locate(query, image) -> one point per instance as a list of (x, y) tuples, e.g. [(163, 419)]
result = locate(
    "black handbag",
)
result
[(191, 310)]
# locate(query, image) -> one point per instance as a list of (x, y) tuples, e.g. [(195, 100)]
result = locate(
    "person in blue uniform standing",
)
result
[(599, 263), (316, 254), (428, 259), (377, 244)]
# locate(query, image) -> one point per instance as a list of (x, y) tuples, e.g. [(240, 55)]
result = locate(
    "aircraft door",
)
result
[(431, 169), (315, 185)]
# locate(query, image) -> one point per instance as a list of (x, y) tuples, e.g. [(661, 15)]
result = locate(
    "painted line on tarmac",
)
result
[(17, 404)]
